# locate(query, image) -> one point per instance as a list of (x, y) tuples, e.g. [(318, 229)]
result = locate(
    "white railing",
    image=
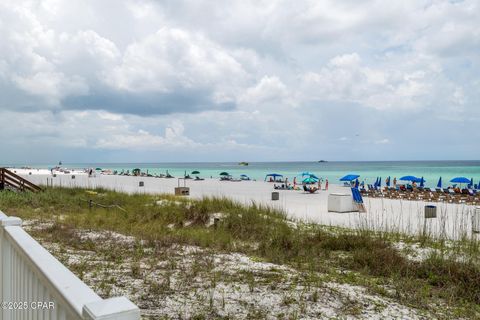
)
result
[(35, 285)]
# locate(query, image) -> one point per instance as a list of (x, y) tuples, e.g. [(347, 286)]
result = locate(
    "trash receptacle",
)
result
[(275, 195), (476, 220), (73, 176), (430, 211), (141, 184)]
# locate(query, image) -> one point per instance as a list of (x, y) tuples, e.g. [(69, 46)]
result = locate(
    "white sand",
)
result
[(453, 220)]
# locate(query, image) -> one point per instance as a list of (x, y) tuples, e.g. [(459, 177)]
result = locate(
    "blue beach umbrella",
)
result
[(388, 182), (356, 183), (439, 184), (422, 182), (460, 180), (471, 183), (349, 177), (408, 178), (379, 181)]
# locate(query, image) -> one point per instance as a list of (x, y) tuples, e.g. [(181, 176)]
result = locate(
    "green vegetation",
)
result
[(449, 276)]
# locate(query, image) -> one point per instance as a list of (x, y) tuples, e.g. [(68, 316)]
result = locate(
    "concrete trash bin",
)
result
[(476, 220), (430, 212), (341, 202), (275, 195)]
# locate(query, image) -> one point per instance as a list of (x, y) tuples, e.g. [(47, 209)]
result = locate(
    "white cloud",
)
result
[(250, 75)]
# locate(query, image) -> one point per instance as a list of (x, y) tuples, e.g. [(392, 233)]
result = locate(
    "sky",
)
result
[(167, 81)]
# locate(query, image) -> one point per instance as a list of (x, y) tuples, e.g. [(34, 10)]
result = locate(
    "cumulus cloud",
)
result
[(268, 77)]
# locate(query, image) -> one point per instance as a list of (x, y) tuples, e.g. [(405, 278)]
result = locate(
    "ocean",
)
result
[(333, 171)]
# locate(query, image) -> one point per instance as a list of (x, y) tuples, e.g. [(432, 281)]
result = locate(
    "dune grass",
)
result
[(359, 256)]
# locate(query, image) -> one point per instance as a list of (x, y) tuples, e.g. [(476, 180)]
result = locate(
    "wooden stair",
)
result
[(8, 179)]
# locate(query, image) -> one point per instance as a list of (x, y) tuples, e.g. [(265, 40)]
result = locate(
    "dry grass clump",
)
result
[(257, 231)]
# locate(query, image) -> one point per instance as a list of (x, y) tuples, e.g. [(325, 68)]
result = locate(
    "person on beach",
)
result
[(395, 181), (326, 184)]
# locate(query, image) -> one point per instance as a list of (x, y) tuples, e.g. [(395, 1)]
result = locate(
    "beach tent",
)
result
[(224, 173), (273, 175), (460, 180), (439, 184), (349, 177), (195, 172)]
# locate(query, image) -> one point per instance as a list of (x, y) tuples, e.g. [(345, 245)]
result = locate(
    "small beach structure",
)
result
[(225, 176), (274, 177)]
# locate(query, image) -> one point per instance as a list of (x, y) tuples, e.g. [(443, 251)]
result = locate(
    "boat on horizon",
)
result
[(243, 163)]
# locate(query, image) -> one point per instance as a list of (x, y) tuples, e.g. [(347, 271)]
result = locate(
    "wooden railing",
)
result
[(10, 179), (35, 285)]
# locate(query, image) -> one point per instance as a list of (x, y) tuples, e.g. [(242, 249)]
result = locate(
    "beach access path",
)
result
[(453, 221)]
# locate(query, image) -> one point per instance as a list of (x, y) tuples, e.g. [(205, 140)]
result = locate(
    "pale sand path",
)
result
[(453, 220)]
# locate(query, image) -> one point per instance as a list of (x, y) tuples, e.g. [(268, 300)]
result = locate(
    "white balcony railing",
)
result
[(35, 285)]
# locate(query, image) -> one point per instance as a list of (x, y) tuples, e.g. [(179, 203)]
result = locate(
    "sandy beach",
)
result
[(453, 221)]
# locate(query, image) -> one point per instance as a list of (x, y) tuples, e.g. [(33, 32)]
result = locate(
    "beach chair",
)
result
[(357, 198)]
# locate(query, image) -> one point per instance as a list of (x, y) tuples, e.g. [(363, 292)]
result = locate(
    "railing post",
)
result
[(6, 254), (118, 308)]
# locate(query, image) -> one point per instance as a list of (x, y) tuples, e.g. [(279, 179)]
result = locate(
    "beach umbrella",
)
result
[(310, 180), (460, 180), (439, 183), (408, 178), (305, 173), (313, 176), (379, 181), (388, 182), (349, 177), (195, 172), (356, 183), (224, 173), (471, 183), (422, 182), (98, 169)]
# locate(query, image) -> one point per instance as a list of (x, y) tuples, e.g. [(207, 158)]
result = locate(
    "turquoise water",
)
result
[(368, 171)]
